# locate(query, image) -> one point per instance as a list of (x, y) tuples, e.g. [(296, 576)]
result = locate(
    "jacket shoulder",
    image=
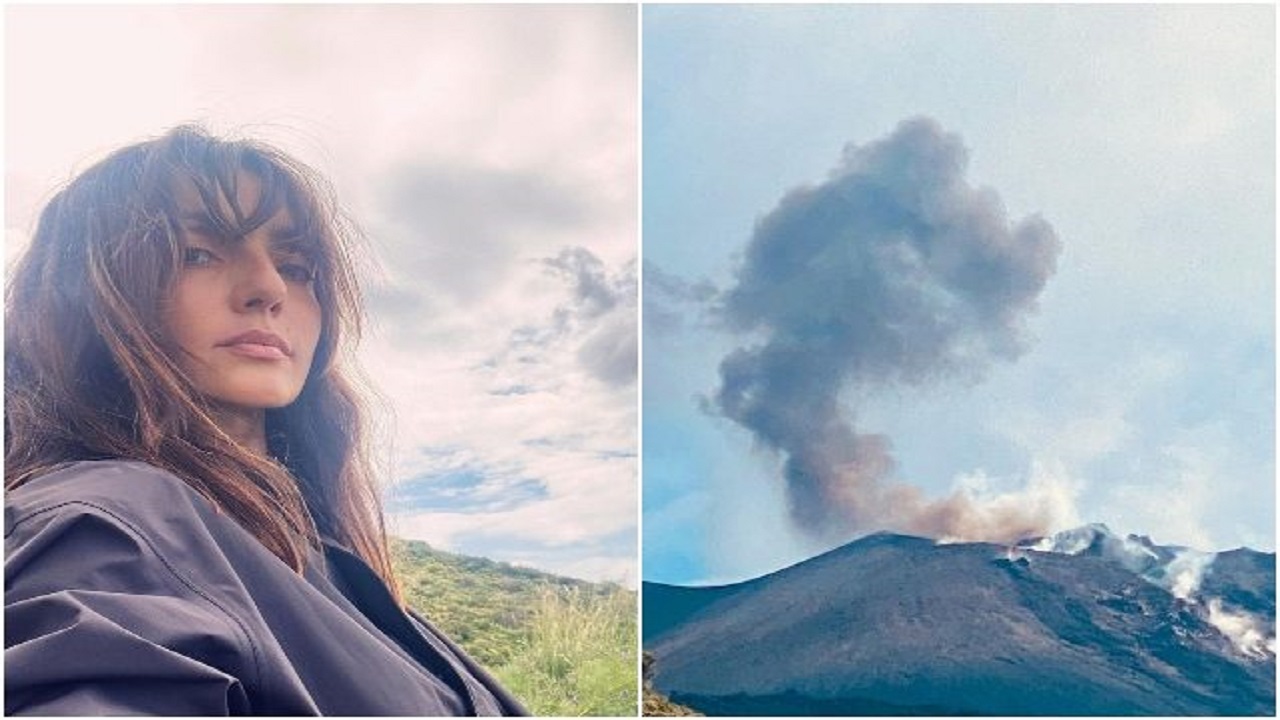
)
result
[(102, 506), (133, 490), (110, 573), (111, 525)]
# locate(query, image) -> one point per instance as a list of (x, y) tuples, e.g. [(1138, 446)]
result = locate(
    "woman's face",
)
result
[(244, 311)]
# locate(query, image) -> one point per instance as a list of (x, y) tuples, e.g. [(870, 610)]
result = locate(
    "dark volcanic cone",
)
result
[(898, 625)]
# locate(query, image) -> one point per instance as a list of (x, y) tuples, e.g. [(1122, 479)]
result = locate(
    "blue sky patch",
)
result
[(464, 490)]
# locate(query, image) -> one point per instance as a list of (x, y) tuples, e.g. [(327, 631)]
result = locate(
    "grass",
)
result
[(580, 654), (564, 647)]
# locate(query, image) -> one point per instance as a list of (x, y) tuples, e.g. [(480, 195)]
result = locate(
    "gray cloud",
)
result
[(669, 299), (600, 314), (595, 326), (397, 302), (513, 390), (594, 291), (893, 270), (610, 352), (457, 229)]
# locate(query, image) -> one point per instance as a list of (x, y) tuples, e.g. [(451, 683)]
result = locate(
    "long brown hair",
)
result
[(91, 374)]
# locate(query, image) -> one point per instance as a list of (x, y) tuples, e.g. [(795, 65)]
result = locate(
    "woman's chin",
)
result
[(257, 398)]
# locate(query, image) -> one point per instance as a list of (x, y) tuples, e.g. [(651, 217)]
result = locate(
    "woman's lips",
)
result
[(256, 351), (259, 345)]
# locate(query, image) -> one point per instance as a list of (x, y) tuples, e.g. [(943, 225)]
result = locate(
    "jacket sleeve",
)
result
[(97, 622)]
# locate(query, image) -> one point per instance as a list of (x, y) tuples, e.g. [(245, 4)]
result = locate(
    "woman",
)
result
[(191, 523)]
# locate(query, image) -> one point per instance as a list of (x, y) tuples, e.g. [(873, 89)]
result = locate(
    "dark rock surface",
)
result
[(896, 625)]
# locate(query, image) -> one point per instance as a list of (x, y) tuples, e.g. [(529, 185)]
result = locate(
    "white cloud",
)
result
[(1181, 495), (1092, 416)]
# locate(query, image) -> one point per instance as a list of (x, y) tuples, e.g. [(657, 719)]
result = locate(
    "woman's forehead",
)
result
[(248, 190)]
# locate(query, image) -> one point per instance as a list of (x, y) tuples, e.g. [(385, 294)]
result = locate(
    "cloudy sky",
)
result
[(490, 153), (1098, 346)]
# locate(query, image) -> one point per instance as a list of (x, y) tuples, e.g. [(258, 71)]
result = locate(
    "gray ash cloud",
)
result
[(894, 270)]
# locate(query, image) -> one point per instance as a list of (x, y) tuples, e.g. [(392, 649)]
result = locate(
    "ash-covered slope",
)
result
[(1095, 625)]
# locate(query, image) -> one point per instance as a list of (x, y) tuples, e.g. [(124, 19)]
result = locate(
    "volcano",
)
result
[(1082, 623)]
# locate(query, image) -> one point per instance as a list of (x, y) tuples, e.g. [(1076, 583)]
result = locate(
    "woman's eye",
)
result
[(197, 257), (297, 272)]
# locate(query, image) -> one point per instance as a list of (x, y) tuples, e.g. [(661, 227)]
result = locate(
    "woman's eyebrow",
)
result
[(289, 240), (285, 234)]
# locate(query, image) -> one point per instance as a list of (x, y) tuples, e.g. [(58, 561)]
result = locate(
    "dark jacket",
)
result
[(127, 592)]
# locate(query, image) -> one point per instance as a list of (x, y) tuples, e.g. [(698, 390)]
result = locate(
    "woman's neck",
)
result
[(246, 426)]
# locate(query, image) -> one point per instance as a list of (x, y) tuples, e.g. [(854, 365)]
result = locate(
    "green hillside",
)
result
[(563, 646)]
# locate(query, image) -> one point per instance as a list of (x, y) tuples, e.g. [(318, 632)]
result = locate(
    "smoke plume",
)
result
[(893, 270), (1184, 574), (1245, 631)]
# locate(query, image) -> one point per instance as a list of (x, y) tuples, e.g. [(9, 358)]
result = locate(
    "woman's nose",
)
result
[(260, 286)]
